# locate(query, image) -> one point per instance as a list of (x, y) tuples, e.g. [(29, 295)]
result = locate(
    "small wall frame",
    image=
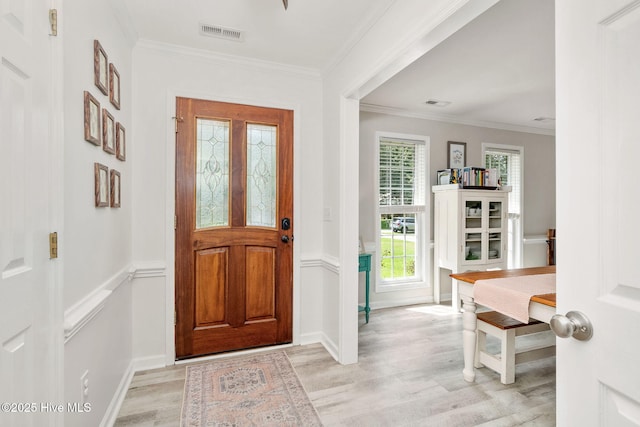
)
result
[(100, 67), (108, 132), (91, 119), (101, 173), (115, 188), (456, 154), (121, 142), (114, 86)]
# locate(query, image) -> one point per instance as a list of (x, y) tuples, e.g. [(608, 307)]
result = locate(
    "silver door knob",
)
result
[(574, 324)]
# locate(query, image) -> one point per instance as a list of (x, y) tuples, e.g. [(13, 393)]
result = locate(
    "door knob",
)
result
[(285, 238), (574, 324)]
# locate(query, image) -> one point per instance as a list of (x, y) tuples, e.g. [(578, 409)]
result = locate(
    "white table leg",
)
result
[(469, 322), (455, 296)]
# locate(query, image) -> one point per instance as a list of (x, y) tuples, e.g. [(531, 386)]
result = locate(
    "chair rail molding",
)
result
[(326, 262), (80, 314), (144, 269)]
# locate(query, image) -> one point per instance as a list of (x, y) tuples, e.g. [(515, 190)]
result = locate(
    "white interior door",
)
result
[(598, 206), (25, 268)]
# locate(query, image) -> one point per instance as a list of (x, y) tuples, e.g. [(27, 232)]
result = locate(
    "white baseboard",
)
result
[(404, 302), (149, 362), (113, 409), (319, 337), (330, 346), (311, 338), (136, 365)]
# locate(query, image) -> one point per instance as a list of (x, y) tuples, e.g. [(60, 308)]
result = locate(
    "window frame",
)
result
[(422, 211), (516, 245)]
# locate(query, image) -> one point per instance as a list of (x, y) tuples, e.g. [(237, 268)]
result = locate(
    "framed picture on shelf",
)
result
[(101, 173), (91, 119), (100, 68), (121, 146), (114, 86), (115, 188), (108, 132), (456, 154)]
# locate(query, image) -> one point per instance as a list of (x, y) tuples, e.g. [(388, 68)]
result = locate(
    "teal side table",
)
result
[(364, 264)]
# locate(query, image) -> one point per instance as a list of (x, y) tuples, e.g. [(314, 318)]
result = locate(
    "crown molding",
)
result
[(124, 20), (221, 57), (454, 119)]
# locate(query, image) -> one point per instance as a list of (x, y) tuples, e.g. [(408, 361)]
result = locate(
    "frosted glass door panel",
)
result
[(212, 173), (261, 175)]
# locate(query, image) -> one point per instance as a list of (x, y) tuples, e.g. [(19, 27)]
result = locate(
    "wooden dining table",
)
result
[(541, 307)]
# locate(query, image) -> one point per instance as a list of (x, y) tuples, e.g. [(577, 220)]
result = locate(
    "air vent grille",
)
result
[(221, 32)]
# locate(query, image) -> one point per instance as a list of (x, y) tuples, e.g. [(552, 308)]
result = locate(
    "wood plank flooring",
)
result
[(409, 373)]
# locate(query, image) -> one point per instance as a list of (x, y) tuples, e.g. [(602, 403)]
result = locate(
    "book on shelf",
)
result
[(479, 177), (448, 176), (469, 177)]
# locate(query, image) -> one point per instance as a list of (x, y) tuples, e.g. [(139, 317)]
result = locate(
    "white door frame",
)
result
[(349, 160), (56, 189)]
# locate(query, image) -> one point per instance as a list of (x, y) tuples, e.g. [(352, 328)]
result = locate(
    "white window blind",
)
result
[(402, 199), (508, 162)]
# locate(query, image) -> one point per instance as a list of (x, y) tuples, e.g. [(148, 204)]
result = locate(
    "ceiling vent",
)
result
[(437, 103), (221, 32)]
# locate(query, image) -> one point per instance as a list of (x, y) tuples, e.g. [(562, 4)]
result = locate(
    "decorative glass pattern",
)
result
[(212, 173), (261, 175)]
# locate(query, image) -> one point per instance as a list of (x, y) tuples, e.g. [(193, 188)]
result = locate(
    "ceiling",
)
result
[(309, 34), (497, 71)]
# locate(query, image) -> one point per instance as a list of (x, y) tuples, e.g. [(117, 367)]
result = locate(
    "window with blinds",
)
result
[(402, 193), (508, 161)]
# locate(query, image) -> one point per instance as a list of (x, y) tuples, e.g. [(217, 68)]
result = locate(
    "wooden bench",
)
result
[(507, 329)]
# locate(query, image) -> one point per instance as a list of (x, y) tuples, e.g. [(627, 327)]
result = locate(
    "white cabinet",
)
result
[(469, 231)]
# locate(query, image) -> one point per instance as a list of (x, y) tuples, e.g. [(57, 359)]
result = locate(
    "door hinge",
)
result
[(177, 120), (175, 317), (53, 245), (175, 222), (53, 20)]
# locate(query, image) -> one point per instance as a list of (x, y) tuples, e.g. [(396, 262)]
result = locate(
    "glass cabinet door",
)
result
[(483, 234), (495, 218), (473, 226)]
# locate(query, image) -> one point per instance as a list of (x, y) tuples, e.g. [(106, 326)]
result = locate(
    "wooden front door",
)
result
[(234, 227)]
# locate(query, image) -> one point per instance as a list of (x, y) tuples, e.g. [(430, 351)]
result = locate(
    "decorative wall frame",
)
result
[(101, 173), (456, 154), (115, 188), (108, 132), (91, 119), (100, 67), (114, 86), (121, 142)]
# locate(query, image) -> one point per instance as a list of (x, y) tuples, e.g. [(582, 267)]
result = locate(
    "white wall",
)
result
[(163, 72), (539, 177), (96, 245), (378, 55)]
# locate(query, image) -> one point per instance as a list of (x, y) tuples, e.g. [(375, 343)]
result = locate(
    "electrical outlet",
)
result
[(84, 387)]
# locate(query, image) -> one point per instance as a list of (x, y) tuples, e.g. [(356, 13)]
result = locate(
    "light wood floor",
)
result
[(409, 373)]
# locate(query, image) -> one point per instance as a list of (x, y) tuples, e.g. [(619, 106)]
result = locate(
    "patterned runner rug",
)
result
[(257, 390)]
